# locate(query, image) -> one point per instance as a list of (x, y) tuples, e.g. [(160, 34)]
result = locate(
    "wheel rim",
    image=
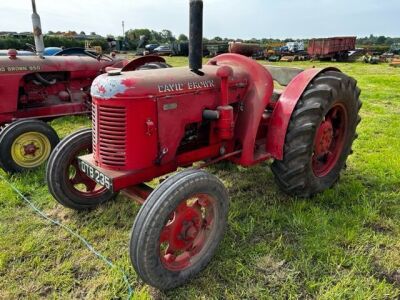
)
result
[(77, 181), (30, 149), (187, 232), (329, 140)]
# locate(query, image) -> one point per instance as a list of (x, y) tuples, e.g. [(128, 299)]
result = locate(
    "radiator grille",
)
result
[(109, 138)]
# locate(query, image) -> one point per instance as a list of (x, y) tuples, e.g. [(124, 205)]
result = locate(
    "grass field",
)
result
[(342, 244)]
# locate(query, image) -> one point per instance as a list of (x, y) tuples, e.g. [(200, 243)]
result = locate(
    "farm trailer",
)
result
[(334, 48)]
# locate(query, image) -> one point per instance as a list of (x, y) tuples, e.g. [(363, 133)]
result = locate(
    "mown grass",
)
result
[(342, 244)]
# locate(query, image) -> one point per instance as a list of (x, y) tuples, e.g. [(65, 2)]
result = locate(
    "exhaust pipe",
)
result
[(196, 35), (37, 31)]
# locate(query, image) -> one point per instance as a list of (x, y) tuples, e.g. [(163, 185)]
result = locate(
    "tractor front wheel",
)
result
[(320, 135), (178, 229), (25, 145), (66, 182)]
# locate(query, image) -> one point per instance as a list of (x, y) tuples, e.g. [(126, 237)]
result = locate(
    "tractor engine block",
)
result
[(51, 89)]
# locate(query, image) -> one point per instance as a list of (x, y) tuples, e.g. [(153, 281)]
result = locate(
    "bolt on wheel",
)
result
[(329, 140), (25, 145), (178, 229), (320, 135), (187, 231), (30, 149), (66, 182)]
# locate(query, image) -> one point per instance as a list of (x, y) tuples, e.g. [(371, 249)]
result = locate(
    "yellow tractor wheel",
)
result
[(25, 145)]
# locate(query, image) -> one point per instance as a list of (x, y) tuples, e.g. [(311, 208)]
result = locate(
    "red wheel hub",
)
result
[(329, 140), (30, 149), (324, 137), (186, 232)]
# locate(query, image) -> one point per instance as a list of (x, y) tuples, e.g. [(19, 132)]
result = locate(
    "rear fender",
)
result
[(138, 62), (283, 110)]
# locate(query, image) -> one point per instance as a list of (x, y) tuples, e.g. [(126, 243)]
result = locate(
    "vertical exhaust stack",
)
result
[(37, 31), (196, 35)]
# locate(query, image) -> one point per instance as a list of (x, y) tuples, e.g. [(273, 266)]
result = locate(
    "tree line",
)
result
[(132, 37), (49, 41)]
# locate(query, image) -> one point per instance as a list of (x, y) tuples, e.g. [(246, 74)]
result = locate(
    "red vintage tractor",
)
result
[(147, 124), (34, 89)]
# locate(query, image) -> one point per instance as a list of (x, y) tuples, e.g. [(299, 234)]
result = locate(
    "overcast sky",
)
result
[(226, 18)]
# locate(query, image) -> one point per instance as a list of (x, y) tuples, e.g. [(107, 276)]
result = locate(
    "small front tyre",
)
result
[(178, 229), (66, 183)]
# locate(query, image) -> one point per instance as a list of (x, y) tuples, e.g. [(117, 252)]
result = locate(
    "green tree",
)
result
[(167, 36), (183, 38), (381, 40), (135, 34)]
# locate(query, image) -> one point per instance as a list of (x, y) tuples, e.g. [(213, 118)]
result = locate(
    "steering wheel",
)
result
[(104, 57), (81, 51)]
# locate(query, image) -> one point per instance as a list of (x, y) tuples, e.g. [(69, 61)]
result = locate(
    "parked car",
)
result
[(163, 50), (151, 47)]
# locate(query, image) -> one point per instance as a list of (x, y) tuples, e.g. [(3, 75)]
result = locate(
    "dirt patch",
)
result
[(45, 291), (379, 227), (58, 213), (391, 277)]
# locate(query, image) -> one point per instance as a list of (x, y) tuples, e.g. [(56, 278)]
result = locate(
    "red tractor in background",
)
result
[(147, 124), (34, 89)]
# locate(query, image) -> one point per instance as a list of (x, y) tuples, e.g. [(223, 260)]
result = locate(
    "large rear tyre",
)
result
[(66, 183), (320, 135), (26, 145), (178, 229)]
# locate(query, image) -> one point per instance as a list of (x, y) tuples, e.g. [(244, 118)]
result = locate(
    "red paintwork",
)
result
[(186, 232), (21, 97), (329, 141), (148, 123), (258, 94), (284, 108), (328, 47)]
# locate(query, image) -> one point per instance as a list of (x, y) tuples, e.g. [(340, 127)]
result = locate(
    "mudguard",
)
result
[(284, 108)]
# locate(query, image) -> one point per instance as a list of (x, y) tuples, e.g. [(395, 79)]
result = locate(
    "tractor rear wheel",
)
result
[(320, 135), (66, 182), (178, 228), (25, 145)]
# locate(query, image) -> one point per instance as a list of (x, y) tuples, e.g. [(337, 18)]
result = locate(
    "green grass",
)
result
[(342, 244)]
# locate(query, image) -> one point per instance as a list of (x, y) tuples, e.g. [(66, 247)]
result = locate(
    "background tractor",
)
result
[(38, 88), (151, 123)]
